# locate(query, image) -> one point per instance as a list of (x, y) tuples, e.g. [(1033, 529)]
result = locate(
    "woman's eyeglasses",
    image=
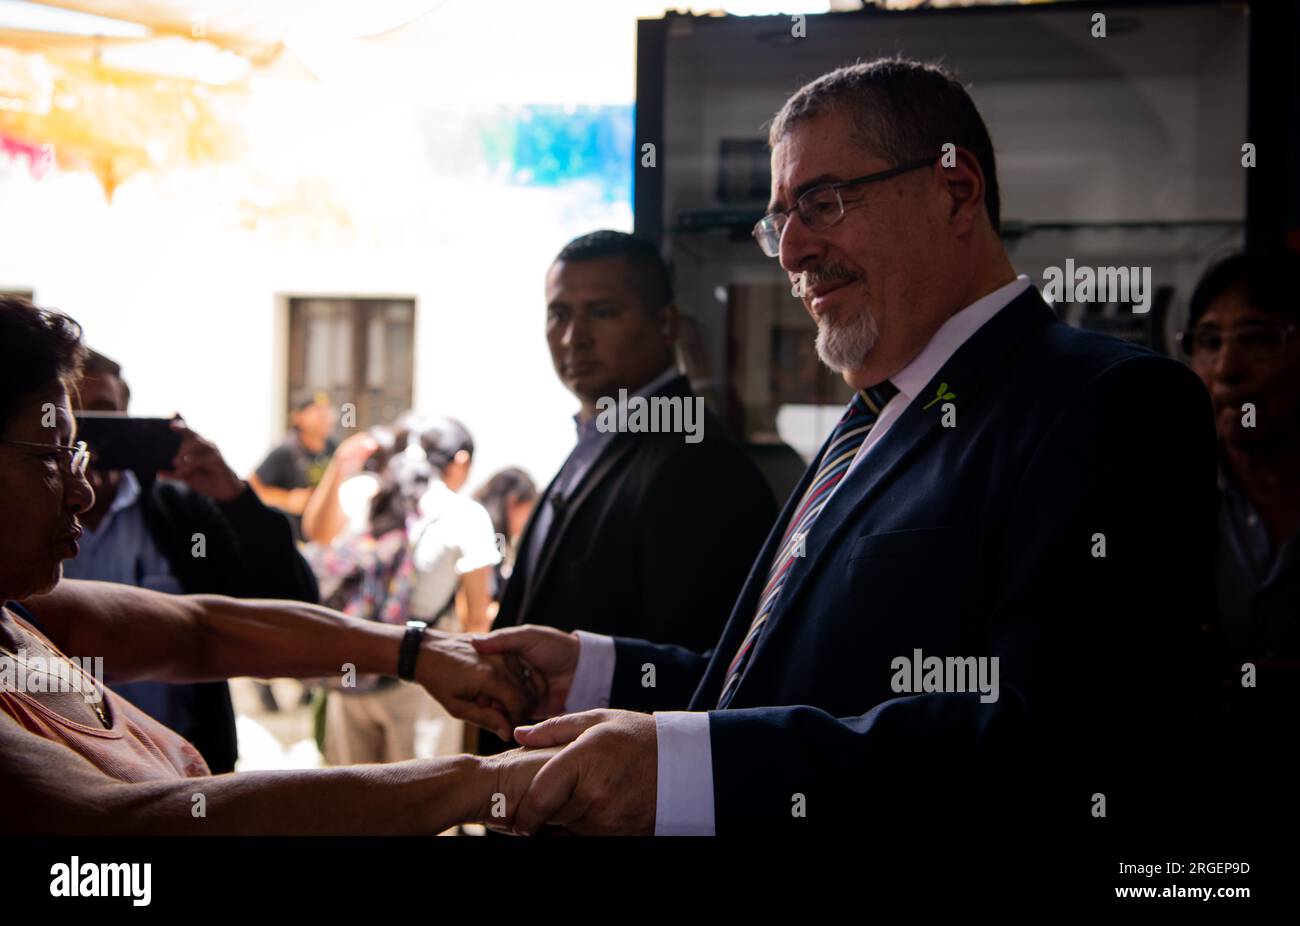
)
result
[(77, 454)]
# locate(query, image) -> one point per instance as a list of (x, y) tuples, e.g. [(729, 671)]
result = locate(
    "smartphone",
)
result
[(118, 441)]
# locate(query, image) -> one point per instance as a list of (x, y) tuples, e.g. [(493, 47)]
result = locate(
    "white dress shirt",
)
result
[(684, 802)]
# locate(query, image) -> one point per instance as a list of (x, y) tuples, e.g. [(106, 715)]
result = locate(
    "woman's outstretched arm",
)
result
[(47, 789)]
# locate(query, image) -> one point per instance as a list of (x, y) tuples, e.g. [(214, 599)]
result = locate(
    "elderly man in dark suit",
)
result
[(650, 526), (983, 596)]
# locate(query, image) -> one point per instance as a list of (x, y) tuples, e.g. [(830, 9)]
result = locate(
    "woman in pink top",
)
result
[(79, 759)]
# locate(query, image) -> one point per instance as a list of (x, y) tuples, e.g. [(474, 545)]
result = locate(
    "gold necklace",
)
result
[(94, 705)]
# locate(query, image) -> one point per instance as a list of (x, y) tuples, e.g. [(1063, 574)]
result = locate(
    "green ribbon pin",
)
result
[(940, 395)]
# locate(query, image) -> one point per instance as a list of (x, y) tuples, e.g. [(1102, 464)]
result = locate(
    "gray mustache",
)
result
[(828, 275)]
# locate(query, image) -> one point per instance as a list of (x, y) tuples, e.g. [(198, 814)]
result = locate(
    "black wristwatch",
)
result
[(410, 649)]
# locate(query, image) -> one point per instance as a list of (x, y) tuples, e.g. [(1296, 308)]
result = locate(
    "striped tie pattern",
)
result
[(843, 446)]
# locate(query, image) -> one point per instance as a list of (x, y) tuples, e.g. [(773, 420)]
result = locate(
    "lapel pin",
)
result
[(941, 395)]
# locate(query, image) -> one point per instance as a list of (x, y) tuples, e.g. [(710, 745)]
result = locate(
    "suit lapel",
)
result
[(516, 590), (964, 374), (606, 463)]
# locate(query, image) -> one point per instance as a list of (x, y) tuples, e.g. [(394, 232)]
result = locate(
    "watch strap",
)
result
[(410, 649)]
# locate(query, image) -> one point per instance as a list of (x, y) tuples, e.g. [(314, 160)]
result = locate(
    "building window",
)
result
[(354, 350)]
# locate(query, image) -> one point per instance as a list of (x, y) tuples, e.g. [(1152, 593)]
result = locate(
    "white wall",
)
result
[(194, 309)]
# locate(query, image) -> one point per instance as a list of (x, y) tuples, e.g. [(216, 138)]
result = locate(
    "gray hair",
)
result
[(902, 110)]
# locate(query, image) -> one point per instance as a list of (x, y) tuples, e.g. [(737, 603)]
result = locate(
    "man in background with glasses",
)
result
[(1243, 340)]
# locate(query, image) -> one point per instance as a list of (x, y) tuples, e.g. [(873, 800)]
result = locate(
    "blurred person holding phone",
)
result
[(193, 527)]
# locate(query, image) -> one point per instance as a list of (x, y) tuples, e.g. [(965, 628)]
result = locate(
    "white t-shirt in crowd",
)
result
[(453, 535)]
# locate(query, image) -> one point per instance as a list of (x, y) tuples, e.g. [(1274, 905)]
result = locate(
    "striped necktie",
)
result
[(843, 446)]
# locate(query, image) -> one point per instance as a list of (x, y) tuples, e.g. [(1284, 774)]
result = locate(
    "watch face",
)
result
[(417, 625)]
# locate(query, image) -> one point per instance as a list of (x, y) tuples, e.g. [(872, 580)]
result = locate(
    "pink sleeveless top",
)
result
[(135, 748)]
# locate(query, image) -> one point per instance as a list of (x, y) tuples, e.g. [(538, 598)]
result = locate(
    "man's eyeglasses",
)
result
[(820, 207), (78, 455), (1258, 343)]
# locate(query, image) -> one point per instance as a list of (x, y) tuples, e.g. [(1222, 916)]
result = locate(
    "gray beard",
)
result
[(845, 347)]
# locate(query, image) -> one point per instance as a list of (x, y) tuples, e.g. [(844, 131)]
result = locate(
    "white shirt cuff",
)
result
[(593, 676), (684, 803)]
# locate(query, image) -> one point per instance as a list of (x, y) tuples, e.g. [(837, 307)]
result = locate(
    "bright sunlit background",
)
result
[(240, 198), (173, 173)]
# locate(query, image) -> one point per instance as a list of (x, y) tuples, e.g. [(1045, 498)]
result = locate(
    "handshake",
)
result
[(593, 772)]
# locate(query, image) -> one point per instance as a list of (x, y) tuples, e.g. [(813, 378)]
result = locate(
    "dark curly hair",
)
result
[(39, 348), (1265, 279), (404, 476), (509, 485)]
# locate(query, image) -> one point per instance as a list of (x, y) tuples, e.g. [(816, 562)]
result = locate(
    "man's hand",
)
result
[(551, 653), (200, 466), (492, 691), (604, 782)]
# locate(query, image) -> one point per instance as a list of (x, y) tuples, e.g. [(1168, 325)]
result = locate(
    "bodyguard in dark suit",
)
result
[(642, 533), (982, 597)]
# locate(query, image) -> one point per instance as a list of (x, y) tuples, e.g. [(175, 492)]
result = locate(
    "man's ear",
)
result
[(964, 184)]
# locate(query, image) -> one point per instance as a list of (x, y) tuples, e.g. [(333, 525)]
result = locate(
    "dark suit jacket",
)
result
[(655, 542), (976, 540)]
